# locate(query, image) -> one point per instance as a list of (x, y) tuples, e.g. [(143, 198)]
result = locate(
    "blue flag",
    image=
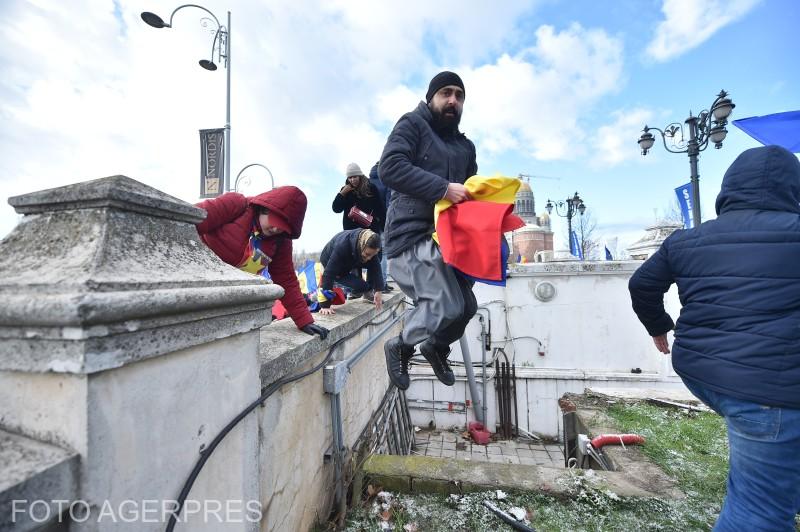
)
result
[(608, 254), (685, 200), (307, 270), (575, 246), (782, 129)]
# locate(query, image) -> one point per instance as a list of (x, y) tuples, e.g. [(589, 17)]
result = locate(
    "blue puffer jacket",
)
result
[(418, 164), (738, 280)]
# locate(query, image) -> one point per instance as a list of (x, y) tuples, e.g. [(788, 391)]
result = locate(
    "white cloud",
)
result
[(616, 142), (315, 85), (689, 23), (534, 101)]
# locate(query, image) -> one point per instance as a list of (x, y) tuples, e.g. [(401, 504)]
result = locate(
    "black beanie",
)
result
[(443, 79)]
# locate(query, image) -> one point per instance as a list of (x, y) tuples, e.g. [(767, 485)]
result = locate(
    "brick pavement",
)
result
[(451, 444)]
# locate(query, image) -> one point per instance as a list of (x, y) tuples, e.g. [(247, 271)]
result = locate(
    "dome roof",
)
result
[(524, 187)]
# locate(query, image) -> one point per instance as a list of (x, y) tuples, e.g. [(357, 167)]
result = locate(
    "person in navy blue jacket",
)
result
[(427, 158), (384, 194), (737, 340), (347, 251)]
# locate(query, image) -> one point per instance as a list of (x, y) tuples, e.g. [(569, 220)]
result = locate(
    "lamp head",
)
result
[(582, 208), (717, 135), (549, 207), (208, 65), (646, 141), (151, 19), (723, 109)]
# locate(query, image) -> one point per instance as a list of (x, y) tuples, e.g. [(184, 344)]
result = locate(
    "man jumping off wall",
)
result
[(426, 158)]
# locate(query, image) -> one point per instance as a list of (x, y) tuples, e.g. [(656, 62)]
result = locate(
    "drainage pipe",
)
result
[(484, 342), (473, 386)]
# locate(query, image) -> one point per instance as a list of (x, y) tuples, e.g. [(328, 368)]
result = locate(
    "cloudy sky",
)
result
[(556, 89)]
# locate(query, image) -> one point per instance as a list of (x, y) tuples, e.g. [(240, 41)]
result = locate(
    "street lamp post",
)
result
[(222, 44), (704, 128), (236, 182), (572, 206)]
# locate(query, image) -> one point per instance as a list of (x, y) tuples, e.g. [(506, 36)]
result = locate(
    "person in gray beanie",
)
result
[(360, 193), (427, 158)]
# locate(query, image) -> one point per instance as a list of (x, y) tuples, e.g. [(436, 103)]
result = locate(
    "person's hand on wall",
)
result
[(662, 343), (327, 311), (378, 300), (313, 328)]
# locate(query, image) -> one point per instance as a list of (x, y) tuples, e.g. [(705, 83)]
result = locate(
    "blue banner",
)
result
[(575, 246), (685, 200)]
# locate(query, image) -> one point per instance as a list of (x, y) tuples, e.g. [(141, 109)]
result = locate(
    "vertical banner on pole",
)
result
[(212, 162), (575, 246), (685, 201)]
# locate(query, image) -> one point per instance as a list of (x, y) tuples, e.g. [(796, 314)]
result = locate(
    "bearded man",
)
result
[(427, 158)]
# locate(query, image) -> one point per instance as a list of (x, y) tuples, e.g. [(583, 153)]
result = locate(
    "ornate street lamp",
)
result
[(571, 206), (704, 128), (247, 179), (222, 45)]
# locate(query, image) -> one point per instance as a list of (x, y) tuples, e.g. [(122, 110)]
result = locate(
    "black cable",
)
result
[(513, 523), (205, 454)]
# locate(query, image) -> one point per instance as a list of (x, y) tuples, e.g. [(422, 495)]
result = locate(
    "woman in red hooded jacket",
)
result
[(255, 234)]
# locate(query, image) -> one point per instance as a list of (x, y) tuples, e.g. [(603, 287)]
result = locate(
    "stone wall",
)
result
[(125, 348)]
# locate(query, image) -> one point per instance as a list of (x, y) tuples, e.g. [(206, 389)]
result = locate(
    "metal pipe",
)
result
[(227, 182), (514, 393), (359, 353), (473, 387), (498, 385), (483, 356), (337, 460), (693, 152)]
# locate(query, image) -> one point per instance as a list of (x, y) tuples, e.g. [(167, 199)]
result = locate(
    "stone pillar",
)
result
[(125, 340)]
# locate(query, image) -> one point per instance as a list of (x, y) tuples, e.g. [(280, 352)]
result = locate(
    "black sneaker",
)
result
[(437, 358), (398, 355)]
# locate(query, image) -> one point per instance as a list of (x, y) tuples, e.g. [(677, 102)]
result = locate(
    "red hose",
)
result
[(611, 439)]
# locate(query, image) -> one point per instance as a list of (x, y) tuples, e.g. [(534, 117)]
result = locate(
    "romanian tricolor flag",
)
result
[(470, 234)]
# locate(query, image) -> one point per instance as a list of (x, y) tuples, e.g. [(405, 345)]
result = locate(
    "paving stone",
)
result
[(526, 452), (478, 450), (450, 445), (524, 460), (450, 437), (447, 453), (435, 452), (494, 449), (511, 451)]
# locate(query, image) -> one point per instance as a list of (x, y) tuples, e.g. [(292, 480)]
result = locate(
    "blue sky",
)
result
[(554, 88)]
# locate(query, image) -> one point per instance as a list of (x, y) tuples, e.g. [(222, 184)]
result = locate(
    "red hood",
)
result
[(288, 202)]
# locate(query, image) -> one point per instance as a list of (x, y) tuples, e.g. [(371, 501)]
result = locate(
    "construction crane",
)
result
[(529, 177)]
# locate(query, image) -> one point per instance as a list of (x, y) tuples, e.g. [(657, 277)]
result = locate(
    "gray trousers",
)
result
[(443, 297)]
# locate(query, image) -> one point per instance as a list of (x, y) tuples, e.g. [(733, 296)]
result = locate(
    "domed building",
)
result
[(527, 242)]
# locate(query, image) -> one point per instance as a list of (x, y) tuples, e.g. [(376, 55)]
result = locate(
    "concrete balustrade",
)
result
[(126, 346)]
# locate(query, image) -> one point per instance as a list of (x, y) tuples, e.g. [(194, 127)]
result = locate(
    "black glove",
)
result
[(313, 328)]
